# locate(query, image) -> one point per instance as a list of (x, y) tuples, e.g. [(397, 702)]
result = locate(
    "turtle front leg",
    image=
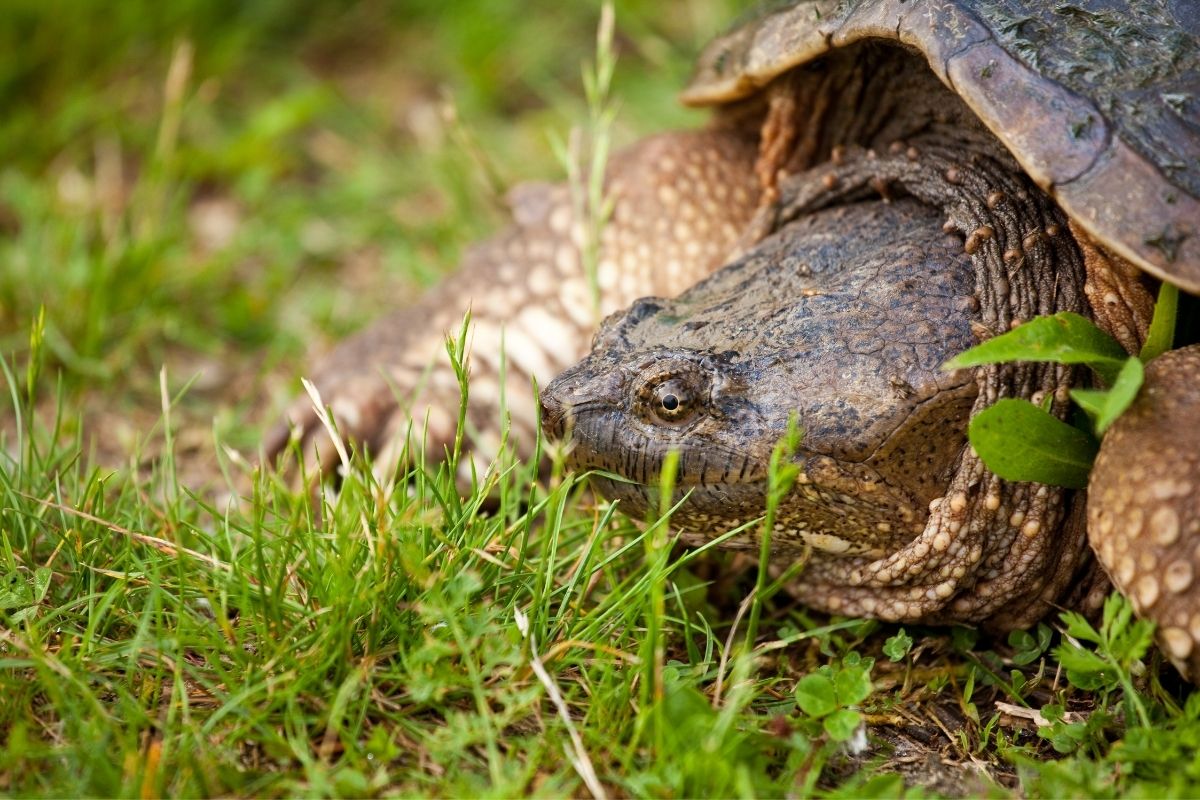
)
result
[(1144, 504), (680, 201)]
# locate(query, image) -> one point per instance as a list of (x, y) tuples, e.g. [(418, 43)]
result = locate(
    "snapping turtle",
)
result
[(1059, 144), (847, 299)]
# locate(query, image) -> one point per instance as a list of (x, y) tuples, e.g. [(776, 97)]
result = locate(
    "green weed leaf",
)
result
[(1030, 644), (1086, 670), (853, 684), (41, 583), (897, 647), (1069, 737), (816, 696), (1021, 442), (1162, 328), (963, 639), (1105, 405), (1127, 638), (841, 725), (15, 592), (1065, 337), (1079, 628), (22, 597), (1119, 645)]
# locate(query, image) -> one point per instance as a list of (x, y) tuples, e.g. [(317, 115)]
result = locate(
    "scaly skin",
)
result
[(842, 319), (783, 329)]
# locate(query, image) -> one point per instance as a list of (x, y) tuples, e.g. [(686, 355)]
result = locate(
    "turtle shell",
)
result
[(1098, 100)]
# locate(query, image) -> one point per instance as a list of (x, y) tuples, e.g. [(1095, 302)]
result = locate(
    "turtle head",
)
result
[(625, 408)]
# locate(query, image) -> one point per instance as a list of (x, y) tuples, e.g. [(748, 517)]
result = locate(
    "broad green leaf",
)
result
[(1065, 337), (815, 695), (15, 592), (1020, 442), (853, 685), (841, 725), (1093, 401), (1162, 328), (1105, 405)]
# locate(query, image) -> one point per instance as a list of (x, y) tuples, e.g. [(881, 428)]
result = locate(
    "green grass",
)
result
[(178, 246)]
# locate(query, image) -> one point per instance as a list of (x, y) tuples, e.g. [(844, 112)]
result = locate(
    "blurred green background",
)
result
[(227, 187)]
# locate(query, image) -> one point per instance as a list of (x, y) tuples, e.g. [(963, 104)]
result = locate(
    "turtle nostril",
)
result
[(553, 414)]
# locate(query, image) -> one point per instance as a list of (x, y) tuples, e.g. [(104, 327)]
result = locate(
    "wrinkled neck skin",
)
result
[(896, 233)]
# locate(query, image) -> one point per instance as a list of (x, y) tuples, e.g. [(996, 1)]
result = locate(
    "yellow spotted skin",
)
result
[(1144, 504)]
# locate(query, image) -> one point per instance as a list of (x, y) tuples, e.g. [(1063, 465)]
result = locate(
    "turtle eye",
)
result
[(673, 401)]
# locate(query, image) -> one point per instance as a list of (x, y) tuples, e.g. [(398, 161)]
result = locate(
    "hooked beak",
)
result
[(580, 388), (554, 414)]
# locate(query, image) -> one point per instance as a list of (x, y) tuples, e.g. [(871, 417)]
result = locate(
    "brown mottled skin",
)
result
[(852, 141)]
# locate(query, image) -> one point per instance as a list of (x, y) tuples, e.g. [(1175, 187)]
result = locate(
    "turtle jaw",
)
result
[(715, 486), (585, 389), (597, 408), (702, 510), (600, 436)]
